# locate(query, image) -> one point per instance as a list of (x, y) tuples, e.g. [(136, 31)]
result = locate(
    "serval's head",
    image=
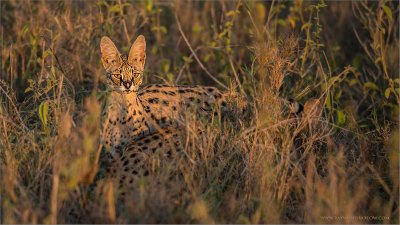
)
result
[(124, 74)]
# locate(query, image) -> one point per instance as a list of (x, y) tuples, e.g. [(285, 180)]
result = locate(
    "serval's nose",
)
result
[(127, 84)]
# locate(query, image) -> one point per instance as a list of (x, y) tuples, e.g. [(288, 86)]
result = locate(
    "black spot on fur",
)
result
[(147, 141), (132, 155), (153, 150), (156, 137), (165, 103), (172, 93), (154, 100)]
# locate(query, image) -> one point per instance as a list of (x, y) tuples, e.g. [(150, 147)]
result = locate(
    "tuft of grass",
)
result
[(336, 163)]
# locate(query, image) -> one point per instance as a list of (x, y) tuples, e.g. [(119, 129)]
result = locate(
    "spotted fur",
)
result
[(134, 113)]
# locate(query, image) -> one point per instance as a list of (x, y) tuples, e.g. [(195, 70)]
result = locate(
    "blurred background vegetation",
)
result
[(346, 54)]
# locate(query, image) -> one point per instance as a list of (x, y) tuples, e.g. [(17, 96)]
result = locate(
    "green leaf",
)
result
[(333, 80), (170, 77), (352, 82), (305, 26), (149, 5), (329, 101), (56, 37), (341, 117), (163, 29), (207, 57), (102, 3), (339, 94), (46, 53), (387, 93), (230, 13), (388, 12), (371, 85), (114, 8), (282, 22), (126, 4), (159, 28), (25, 29), (43, 112), (31, 86), (187, 59)]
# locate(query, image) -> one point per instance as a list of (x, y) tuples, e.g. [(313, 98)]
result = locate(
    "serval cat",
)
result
[(141, 121)]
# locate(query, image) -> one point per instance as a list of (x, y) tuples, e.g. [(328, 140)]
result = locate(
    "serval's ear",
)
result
[(110, 53), (137, 54)]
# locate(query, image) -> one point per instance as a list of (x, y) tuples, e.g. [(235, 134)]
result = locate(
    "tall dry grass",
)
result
[(336, 163)]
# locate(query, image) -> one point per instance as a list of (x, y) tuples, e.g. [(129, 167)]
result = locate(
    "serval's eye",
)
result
[(117, 76)]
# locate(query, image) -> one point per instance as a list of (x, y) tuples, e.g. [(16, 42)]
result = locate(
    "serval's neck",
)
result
[(129, 100), (126, 118)]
